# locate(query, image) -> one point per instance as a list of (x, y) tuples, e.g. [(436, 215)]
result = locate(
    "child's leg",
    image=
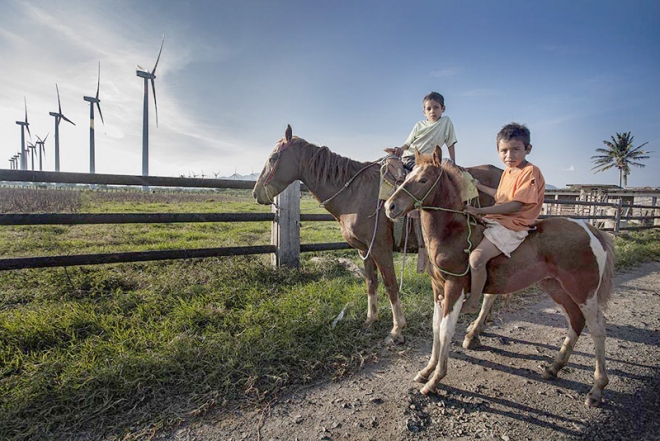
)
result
[(478, 259)]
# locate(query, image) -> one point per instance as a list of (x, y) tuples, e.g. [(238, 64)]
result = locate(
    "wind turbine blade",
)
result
[(98, 106), (98, 84), (153, 87), (153, 72), (46, 137), (59, 105), (27, 125), (67, 119)]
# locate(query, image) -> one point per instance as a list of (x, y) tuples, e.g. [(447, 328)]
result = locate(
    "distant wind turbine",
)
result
[(42, 150), (24, 125), (31, 147), (91, 101), (58, 117), (142, 73)]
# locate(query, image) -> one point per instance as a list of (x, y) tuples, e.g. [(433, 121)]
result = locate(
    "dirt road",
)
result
[(495, 393)]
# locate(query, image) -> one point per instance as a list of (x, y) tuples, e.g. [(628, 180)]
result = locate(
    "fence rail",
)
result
[(285, 244)]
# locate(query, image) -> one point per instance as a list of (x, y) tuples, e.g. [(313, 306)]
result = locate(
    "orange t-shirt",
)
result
[(525, 185)]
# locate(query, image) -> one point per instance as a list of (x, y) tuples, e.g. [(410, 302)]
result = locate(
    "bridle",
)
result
[(282, 145), (419, 203)]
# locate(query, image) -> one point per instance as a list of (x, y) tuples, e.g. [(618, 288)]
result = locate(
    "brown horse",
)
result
[(349, 191), (570, 260)]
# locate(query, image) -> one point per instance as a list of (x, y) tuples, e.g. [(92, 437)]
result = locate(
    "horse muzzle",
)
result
[(393, 210)]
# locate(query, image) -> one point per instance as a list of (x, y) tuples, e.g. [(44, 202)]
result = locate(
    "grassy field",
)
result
[(120, 351)]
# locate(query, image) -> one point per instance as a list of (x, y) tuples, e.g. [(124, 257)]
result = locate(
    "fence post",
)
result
[(285, 232), (617, 216)]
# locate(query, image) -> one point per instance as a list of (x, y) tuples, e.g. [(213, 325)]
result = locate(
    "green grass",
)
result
[(119, 351)]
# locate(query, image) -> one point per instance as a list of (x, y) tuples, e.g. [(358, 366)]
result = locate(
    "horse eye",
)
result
[(423, 181)]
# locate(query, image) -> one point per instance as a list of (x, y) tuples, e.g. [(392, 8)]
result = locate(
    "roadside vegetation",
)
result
[(121, 351)]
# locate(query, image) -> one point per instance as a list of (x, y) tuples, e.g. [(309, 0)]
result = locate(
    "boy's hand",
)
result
[(396, 151), (474, 211)]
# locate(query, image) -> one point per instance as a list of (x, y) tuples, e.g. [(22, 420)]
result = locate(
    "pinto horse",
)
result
[(349, 190), (570, 260)]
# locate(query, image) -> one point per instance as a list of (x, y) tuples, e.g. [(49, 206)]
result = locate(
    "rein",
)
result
[(347, 184), (419, 203), (379, 205)]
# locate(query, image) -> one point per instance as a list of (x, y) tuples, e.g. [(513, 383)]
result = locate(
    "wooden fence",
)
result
[(285, 246)]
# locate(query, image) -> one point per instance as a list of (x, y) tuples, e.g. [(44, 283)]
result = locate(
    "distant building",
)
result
[(636, 203)]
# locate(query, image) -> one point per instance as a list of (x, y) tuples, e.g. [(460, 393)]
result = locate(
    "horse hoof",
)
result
[(395, 339), (421, 378), (426, 390), (592, 401), (549, 374), (472, 343)]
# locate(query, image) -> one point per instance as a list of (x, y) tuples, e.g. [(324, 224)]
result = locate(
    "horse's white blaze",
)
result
[(448, 325), (599, 252)]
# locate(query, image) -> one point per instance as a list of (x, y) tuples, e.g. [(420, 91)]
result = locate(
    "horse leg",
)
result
[(596, 325), (371, 276), (575, 320), (392, 290), (451, 309), (423, 375), (386, 267), (471, 340)]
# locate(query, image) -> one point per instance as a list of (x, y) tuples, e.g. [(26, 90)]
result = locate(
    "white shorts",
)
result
[(504, 239)]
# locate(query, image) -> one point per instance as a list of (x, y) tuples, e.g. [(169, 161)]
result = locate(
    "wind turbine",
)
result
[(58, 117), (142, 73), (32, 147), (24, 125), (91, 101), (42, 150)]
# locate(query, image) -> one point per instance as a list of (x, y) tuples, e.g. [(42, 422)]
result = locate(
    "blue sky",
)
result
[(347, 74)]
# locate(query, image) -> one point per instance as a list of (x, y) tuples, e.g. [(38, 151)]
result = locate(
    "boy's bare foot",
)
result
[(471, 305)]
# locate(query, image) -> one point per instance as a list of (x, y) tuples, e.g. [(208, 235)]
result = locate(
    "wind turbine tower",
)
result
[(42, 151), (24, 125), (31, 147), (58, 117), (148, 76), (92, 101)]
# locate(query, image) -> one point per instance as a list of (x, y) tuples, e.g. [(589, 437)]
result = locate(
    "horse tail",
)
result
[(605, 287)]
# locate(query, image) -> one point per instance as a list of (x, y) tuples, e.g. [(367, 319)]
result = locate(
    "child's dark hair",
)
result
[(514, 131), (435, 96)]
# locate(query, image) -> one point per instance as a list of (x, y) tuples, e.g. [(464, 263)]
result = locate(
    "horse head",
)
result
[(278, 172), (417, 188), (392, 169)]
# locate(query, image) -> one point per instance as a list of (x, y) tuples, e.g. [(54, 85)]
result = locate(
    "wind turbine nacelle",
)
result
[(91, 99), (54, 114), (145, 74)]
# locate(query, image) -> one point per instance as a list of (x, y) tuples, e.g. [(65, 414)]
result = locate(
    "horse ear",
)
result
[(417, 155), (437, 156), (288, 134)]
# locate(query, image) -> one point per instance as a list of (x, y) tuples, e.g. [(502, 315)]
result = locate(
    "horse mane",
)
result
[(327, 165), (454, 173)]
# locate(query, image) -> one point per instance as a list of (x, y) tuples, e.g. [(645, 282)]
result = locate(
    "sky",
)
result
[(347, 74)]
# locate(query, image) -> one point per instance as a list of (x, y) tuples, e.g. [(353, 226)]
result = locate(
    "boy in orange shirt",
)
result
[(518, 203)]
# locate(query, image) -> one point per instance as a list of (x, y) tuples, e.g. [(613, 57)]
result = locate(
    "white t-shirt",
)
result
[(426, 135)]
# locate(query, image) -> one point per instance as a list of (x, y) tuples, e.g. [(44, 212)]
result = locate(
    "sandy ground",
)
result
[(493, 393)]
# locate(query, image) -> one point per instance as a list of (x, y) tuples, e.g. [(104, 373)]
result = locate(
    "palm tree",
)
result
[(621, 154)]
